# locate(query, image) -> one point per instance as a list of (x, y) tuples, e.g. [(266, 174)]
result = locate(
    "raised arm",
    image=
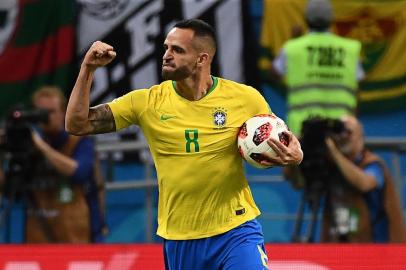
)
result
[(80, 119)]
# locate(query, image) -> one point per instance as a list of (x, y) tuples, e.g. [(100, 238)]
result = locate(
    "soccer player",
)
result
[(190, 121)]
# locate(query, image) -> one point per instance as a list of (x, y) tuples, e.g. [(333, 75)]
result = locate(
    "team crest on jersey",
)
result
[(219, 117)]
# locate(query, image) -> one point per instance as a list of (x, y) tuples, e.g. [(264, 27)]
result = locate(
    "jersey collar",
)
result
[(213, 86)]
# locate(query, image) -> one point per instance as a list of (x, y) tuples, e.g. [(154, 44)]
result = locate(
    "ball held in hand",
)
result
[(253, 136)]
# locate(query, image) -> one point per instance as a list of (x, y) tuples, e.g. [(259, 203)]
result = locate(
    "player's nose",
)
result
[(168, 55)]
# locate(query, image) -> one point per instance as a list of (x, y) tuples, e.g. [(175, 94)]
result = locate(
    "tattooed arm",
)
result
[(101, 119), (80, 119)]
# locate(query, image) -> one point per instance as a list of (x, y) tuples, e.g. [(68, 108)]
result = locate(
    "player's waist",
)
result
[(177, 232)]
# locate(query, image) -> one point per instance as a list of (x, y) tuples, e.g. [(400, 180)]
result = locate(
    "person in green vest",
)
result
[(321, 70)]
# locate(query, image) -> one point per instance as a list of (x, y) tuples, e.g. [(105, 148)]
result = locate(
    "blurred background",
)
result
[(42, 42)]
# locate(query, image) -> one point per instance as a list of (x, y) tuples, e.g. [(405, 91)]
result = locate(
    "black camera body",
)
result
[(18, 129), (19, 148), (319, 172)]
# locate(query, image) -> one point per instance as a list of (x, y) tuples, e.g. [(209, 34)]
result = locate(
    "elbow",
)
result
[(365, 188), (71, 130), (69, 126), (74, 129), (368, 184)]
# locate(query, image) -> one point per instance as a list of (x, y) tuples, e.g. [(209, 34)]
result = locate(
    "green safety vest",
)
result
[(321, 75)]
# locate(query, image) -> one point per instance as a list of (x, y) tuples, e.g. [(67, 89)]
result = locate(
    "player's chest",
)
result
[(192, 127)]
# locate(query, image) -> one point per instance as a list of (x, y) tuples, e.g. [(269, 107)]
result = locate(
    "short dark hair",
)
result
[(319, 15), (200, 29), (319, 25)]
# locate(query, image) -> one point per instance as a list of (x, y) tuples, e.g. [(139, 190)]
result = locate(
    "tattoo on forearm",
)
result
[(101, 119)]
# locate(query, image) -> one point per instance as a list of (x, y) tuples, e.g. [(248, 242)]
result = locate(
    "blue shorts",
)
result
[(241, 248)]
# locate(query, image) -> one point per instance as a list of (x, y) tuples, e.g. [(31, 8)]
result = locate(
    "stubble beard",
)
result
[(178, 74)]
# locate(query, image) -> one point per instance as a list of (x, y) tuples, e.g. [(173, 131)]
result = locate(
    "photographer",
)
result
[(63, 204), (370, 210)]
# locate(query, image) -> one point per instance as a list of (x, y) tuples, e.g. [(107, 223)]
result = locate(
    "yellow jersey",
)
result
[(202, 188)]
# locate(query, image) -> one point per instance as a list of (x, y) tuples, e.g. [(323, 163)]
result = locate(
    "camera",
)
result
[(324, 184), (18, 129), (319, 172), (19, 149)]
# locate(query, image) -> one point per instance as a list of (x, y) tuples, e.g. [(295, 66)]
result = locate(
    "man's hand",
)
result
[(63, 164), (333, 151), (286, 155), (39, 143), (99, 54)]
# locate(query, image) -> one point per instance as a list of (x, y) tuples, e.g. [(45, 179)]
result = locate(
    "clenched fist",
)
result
[(99, 54)]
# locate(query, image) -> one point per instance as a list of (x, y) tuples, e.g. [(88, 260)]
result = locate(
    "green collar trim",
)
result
[(213, 86)]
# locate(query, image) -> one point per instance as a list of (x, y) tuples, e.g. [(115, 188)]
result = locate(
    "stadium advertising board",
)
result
[(138, 256)]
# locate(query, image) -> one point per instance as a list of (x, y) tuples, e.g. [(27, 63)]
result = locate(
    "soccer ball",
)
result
[(253, 136)]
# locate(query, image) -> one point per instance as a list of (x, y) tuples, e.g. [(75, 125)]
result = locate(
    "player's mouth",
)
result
[(168, 67)]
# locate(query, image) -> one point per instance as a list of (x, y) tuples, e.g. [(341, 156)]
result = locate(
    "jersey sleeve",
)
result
[(255, 103), (128, 108)]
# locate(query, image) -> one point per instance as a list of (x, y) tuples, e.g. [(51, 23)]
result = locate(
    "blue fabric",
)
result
[(84, 155), (236, 249), (375, 170), (375, 203)]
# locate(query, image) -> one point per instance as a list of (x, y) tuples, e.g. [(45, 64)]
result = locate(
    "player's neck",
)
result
[(194, 88)]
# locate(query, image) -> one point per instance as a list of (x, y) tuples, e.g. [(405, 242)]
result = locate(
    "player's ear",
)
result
[(203, 59)]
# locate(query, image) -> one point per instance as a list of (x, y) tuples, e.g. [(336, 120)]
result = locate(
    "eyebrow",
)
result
[(175, 47), (178, 47)]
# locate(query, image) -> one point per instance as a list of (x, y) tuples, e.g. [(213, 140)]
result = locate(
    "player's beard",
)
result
[(177, 74)]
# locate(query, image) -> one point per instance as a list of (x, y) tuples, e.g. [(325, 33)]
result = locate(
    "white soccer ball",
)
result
[(253, 136)]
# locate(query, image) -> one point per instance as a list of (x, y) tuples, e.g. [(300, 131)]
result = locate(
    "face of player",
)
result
[(181, 57), (56, 114)]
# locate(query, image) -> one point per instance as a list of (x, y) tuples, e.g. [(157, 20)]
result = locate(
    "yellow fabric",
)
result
[(279, 18), (200, 172), (381, 27)]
